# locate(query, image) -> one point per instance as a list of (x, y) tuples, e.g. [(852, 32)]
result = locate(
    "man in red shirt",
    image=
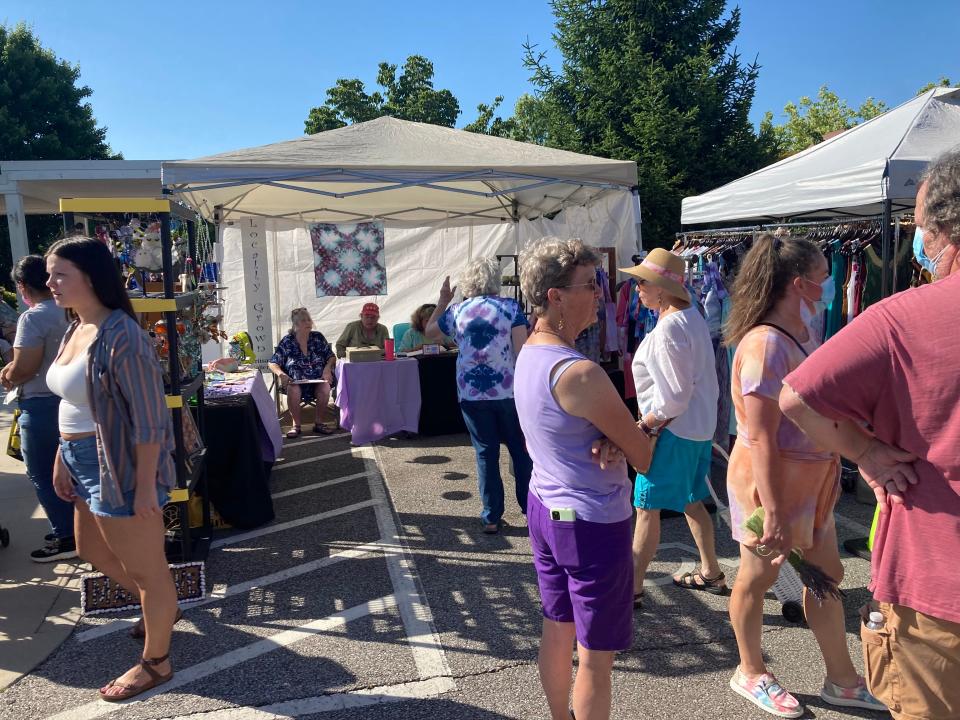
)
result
[(895, 369)]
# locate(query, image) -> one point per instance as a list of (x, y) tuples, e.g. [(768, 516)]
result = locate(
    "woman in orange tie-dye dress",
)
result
[(775, 466)]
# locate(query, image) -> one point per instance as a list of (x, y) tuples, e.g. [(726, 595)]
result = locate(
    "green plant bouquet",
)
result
[(812, 576)]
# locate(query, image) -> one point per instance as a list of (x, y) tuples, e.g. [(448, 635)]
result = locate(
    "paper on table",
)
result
[(306, 382)]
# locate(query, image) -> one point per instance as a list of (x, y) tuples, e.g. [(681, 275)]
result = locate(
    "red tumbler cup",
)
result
[(388, 350)]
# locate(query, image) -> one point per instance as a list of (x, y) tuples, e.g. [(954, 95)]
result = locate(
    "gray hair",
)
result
[(550, 262), (296, 315), (941, 209), (480, 277)]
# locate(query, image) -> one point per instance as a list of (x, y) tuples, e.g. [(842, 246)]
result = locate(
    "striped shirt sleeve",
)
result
[(140, 381)]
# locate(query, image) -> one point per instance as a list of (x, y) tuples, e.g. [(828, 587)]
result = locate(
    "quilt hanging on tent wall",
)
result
[(348, 259)]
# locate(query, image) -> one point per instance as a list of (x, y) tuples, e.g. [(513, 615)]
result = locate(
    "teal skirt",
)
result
[(677, 476)]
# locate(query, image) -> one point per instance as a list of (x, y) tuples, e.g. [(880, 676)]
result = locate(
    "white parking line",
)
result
[(279, 527), (283, 464), (322, 438), (99, 708), (315, 486), (239, 588), (419, 690), (417, 618)]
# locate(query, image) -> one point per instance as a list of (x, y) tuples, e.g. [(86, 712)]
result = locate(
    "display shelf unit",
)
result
[(184, 543), (514, 281)]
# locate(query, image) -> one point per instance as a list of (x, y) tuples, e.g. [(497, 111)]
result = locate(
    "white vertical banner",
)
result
[(256, 276)]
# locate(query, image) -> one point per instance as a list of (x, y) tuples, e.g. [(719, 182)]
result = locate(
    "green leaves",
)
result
[(411, 96), (43, 113)]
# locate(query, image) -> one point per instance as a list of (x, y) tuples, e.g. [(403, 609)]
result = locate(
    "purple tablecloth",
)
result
[(271, 439), (377, 399)]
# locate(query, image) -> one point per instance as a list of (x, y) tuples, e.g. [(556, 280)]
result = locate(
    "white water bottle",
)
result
[(876, 620)]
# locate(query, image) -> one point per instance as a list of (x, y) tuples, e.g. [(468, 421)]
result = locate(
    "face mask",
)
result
[(930, 265), (828, 291)]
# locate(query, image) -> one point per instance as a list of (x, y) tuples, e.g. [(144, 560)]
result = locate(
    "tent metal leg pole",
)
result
[(886, 233)]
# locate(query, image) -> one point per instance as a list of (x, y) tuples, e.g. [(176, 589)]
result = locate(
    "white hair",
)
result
[(480, 277), (549, 263)]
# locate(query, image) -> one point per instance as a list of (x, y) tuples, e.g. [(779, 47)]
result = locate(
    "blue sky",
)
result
[(176, 80)]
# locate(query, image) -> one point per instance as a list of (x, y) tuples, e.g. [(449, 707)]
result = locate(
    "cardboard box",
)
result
[(366, 354)]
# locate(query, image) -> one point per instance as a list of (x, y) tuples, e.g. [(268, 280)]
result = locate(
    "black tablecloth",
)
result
[(439, 406), (237, 477)]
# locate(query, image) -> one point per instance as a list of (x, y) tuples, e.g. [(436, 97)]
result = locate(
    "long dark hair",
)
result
[(767, 268), (94, 260)]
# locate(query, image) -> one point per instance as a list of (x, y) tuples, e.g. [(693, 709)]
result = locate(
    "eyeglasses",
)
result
[(592, 283)]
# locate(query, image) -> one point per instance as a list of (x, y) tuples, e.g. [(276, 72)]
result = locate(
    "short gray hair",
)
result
[(296, 315), (550, 262), (480, 277), (941, 208)]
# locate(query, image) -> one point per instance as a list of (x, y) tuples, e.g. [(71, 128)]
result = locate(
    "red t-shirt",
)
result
[(897, 367)]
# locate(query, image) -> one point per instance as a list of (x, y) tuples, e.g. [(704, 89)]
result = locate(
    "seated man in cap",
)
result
[(365, 332)]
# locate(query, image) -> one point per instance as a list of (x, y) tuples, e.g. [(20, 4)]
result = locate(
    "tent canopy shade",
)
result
[(852, 173), (389, 168)]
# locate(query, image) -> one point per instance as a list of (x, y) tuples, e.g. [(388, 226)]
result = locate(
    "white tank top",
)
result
[(70, 383)]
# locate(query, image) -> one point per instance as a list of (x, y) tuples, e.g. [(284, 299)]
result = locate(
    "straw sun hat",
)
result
[(663, 269)]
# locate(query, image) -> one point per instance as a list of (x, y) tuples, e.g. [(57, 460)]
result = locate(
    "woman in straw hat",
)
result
[(677, 390)]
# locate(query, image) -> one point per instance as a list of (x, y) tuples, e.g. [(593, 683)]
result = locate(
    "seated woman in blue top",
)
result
[(304, 354), (415, 338), (579, 511), (489, 330)]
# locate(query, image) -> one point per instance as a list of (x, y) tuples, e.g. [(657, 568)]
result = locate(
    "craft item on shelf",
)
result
[(242, 339)]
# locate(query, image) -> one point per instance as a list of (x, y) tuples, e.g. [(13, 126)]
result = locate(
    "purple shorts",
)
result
[(585, 573)]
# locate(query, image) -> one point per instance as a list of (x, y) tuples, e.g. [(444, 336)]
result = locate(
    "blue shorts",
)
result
[(81, 458), (677, 476)]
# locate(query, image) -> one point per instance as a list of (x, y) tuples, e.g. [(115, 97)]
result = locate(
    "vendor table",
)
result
[(243, 440), (377, 399), (439, 404)]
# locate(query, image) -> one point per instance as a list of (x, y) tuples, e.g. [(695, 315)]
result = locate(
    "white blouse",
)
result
[(675, 375)]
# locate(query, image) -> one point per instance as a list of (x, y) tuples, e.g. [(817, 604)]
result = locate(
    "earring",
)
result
[(560, 324)]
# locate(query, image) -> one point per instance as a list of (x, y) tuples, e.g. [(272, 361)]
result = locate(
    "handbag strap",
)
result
[(780, 329)]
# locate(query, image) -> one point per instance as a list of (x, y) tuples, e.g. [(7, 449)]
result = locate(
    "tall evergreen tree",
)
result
[(655, 81)]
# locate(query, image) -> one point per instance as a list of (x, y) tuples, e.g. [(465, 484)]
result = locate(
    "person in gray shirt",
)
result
[(39, 332)]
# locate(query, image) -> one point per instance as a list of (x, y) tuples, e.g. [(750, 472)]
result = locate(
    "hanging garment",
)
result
[(873, 282), (838, 269), (851, 302)]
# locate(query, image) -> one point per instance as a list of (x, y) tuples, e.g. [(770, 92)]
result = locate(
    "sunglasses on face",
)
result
[(592, 283)]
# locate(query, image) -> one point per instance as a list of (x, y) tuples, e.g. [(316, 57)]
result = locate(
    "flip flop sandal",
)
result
[(138, 633), (294, 432), (714, 585), (322, 429), (130, 691)]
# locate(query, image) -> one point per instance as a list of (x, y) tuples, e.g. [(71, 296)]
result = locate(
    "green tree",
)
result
[(43, 111), (810, 120), (411, 96), (942, 82), (654, 81), (43, 116)]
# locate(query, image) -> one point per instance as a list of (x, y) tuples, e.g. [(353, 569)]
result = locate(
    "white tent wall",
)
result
[(417, 259)]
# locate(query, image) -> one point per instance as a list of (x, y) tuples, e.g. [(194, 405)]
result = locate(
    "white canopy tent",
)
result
[(854, 173), (444, 195)]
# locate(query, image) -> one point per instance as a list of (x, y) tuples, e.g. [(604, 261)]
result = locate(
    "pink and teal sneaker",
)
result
[(858, 697), (766, 692)]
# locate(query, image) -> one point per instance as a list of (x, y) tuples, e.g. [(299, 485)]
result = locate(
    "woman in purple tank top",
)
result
[(578, 508)]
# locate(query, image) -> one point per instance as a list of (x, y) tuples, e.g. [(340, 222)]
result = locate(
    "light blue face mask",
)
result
[(928, 264), (829, 288)]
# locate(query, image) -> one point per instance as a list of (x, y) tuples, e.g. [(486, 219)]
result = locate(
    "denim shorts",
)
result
[(585, 574), (82, 460)]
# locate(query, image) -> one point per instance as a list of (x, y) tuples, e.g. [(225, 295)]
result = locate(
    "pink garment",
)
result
[(895, 368)]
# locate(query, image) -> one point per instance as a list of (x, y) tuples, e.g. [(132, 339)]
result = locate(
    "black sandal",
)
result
[(715, 585), (137, 632), (130, 691), (638, 600), (322, 429), (293, 432)]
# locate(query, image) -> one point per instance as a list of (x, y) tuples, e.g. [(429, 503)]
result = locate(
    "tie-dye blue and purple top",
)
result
[(482, 327)]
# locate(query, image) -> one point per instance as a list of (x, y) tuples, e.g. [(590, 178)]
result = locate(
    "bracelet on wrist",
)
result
[(647, 430)]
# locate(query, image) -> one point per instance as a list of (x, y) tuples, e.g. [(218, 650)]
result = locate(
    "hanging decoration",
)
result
[(348, 259)]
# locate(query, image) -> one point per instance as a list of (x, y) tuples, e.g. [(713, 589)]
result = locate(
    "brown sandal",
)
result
[(133, 690), (138, 633)]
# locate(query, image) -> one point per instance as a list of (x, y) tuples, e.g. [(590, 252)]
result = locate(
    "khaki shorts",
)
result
[(913, 664)]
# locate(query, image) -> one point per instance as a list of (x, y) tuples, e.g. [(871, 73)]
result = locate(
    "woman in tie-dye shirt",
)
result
[(775, 466), (489, 331)]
